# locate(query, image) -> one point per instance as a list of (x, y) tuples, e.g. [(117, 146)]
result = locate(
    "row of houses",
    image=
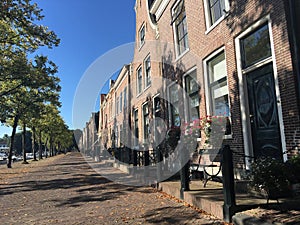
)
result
[(193, 60)]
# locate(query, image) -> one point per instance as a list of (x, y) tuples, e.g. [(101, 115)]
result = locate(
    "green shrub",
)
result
[(269, 174)]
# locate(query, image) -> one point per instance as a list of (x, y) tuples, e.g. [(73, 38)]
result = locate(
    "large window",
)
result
[(192, 91), (146, 121), (180, 28), (218, 89), (139, 80), (147, 72), (174, 105), (256, 46), (142, 36)]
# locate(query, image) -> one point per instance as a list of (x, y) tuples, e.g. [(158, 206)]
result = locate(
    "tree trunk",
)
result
[(34, 143), (12, 138), (40, 145), (45, 149), (24, 144)]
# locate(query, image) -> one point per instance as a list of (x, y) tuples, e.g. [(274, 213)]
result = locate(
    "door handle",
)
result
[(251, 118)]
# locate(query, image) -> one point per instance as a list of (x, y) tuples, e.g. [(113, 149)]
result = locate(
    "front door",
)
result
[(263, 114)]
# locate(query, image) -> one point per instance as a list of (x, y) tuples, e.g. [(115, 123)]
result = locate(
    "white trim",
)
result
[(137, 80), (143, 117), (159, 7), (205, 70), (207, 14), (176, 45), (145, 71), (206, 85), (153, 103), (246, 127), (169, 100), (185, 95), (141, 44)]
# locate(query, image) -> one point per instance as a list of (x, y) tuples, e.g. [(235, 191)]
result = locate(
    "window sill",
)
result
[(141, 46), (147, 87), (215, 24), (182, 54)]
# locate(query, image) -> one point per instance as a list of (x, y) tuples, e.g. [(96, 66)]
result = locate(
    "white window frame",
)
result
[(125, 97), (142, 41), (243, 102), (143, 105), (139, 88), (169, 102), (178, 54), (210, 26), (145, 68), (207, 85), (186, 103), (121, 101)]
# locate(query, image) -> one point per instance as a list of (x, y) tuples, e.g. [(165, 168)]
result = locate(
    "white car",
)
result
[(3, 156)]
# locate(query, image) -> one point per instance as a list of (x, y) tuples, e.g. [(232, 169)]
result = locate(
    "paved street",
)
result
[(65, 190)]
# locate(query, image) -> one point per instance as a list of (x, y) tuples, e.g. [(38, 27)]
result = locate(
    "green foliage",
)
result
[(269, 174), (293, 169), (19, 29)]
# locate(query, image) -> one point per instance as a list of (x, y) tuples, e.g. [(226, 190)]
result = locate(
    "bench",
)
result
[(208, 166)]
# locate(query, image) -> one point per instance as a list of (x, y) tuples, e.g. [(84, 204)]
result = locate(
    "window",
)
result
[(147, 72), (121, 102), (136, 128), (218, 89), (256, 46), (146, 122), (139, 80), (125, 97), (174, 103), (180, 28), (215, 9), (192, 91), (142, 35), (117, 106)]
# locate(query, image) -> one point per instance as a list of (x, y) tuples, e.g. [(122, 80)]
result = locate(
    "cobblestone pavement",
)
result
[(65, 190)]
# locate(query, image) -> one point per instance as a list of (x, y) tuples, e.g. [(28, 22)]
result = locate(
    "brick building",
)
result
[(235, 59)]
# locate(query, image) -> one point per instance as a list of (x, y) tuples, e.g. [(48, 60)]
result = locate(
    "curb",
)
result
[(243, 219)]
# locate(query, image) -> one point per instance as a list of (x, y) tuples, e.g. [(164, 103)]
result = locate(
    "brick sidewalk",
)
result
[(65, 190)]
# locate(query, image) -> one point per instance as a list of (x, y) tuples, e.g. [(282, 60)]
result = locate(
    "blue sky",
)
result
[(87, 29)]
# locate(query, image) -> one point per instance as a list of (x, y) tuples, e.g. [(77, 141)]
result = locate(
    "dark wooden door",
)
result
[(263, 114)]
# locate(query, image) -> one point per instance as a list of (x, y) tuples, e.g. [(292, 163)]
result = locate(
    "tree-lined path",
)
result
[(65, 190)]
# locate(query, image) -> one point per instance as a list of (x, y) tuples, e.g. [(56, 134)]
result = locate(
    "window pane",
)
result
[(139, 81), (217, 68), (192, 89), (256, 46), (179, 18), (148, 72), (217, 8), (218, 89)]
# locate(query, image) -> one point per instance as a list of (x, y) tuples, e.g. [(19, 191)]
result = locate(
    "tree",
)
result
[(25, 103)]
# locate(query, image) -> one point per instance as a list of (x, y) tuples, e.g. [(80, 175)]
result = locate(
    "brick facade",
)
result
[(204, 41)]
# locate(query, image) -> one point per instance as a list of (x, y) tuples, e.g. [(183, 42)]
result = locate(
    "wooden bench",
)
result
[(208, 166)]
